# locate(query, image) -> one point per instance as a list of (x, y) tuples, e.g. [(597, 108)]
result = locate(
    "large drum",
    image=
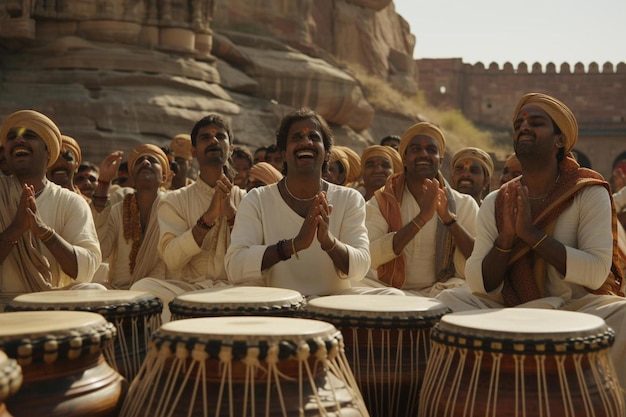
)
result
[(64, 370), (245, 366), (236, 301), (10, 380), (521, 362), (387, 340), (135, 315)]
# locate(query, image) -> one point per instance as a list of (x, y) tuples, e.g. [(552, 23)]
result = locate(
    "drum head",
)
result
[(231, 300), (28, 334), (377, 310), (524, 328), (106, 302)]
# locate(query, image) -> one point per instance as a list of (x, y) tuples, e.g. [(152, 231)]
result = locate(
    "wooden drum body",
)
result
[(236, 301), (135, 314), (521, 362), (10, 380), (245, 366), (64, 370), (387, 340)]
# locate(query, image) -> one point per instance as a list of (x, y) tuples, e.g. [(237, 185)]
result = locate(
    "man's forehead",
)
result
[(377, 158), (211, 129), (467, 162), (531, 110), (423, 139)]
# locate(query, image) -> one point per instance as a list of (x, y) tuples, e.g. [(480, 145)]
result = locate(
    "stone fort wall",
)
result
[(488, 95)]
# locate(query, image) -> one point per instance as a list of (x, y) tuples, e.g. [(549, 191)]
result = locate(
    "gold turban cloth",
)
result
[(477, 155), (426, 129), (152, 150), (558, 112), (181, 146), (38, 123), (71, 144), (349, 159), (264, 172), (386, 152)]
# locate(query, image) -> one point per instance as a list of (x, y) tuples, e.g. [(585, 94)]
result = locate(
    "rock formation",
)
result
[(115, 73)]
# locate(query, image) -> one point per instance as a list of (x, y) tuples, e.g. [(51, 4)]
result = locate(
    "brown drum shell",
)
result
[(86, 386)]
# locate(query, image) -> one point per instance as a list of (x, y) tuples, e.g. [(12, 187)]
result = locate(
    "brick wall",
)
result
[(487, 96)]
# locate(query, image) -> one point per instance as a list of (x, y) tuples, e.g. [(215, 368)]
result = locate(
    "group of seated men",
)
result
[(328, 222)]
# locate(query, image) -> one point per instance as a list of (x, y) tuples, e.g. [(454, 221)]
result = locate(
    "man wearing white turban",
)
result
[(548, 237), (420, 229), (48, 239)]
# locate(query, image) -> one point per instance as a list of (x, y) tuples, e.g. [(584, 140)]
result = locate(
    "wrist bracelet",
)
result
[(202, 225), (331, 248), (416, 225), (293, 248), (499, 249), (539, 242), (8, 243), (281, 253), (47, 235), (422, 220)]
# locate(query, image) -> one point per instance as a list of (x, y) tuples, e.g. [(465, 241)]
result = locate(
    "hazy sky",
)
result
[(531, 31)]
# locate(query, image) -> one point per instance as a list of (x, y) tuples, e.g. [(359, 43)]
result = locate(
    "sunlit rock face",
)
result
[(115, 73)]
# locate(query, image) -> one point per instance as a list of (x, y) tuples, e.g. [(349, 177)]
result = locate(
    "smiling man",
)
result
[(195, 221), (472, 169), (420, 229), (128, 230), (548, 237), (302, 233), (48, 238)]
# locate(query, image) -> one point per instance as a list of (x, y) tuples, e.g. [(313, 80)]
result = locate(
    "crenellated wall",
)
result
[(488, 95)]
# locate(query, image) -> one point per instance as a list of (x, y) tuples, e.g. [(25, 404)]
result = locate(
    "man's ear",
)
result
[(560, 141)]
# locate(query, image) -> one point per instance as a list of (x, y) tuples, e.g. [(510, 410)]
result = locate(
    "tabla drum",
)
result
[(64, 370), (245, 366), (521, 362), (236, 301), (135, 315), (387, 340), (10, 380)]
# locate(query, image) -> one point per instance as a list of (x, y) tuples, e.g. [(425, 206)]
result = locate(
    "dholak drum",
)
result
[(236, 301), (387, 342), (135, 314), (10, 380), (521, 362), (64, 371), (245, 366)]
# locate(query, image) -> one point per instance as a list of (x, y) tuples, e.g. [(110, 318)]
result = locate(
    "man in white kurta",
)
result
[(47, 236), (264, 218), (567, 233), (195, 221), (421, 271), (420, 229)]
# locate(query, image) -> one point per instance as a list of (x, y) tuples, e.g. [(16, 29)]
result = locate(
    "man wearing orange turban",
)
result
[(420, 229), (182, 149), (378, 162), (66, 165), (47, 238), (472, 169), (129, 245), (548, 237), (263, 173)]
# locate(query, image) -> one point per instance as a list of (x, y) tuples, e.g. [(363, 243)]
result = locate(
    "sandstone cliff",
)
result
[(115, 73)]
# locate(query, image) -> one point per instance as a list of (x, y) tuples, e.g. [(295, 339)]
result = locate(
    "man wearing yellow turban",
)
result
[(472, 169), (548, 237), (195, 221), (47, 238), (420, 229), (378, 163), (66, 165), (182, 149), (129, 230)]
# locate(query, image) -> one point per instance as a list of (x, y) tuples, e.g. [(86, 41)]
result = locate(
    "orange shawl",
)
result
[(389, 199), (526, 272)]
